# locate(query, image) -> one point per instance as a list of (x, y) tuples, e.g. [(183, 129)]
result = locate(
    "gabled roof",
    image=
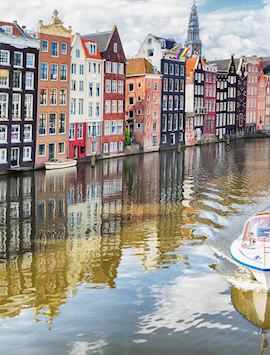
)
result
[(102, 39), (191, 64), (16, 29), (140, 66), (85, 44)]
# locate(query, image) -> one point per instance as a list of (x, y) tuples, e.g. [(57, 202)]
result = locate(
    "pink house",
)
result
[(210, 92)]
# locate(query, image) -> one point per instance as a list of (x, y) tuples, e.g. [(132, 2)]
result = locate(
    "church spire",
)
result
[(193, 35)]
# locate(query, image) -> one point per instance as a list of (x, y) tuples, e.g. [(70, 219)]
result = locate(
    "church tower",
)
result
[(193, 35)]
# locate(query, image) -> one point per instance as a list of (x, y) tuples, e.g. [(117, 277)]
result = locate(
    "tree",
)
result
[(127, 137)]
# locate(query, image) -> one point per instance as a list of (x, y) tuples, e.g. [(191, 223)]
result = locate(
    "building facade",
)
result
[(143, 99), (210, 92), (86, 99), (18, 98), (111, 50), (232, 98), (54, 87), (241, 100)]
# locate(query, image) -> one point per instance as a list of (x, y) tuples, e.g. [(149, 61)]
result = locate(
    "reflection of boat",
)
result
[(58, 164), (252, 248)]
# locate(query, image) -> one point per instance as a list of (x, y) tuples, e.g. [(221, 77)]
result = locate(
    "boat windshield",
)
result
[(257, 227)]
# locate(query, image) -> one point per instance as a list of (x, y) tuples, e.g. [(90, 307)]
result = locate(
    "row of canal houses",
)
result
[(66, 95)]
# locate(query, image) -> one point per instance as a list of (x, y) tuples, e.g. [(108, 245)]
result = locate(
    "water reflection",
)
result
[(62, 229)]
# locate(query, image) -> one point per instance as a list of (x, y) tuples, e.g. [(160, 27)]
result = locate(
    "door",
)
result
[(76, 150), (15, 157), (51, 151)]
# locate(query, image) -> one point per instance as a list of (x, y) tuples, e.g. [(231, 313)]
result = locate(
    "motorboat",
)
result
[(60, 164), (252, 248)]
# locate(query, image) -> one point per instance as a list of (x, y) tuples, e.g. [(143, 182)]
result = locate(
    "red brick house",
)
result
[(111, 49)]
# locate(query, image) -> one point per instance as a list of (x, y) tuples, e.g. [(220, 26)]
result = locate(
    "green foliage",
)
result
[(127, 137)]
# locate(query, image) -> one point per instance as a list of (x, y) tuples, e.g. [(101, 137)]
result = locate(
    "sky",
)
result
[(239, 27)]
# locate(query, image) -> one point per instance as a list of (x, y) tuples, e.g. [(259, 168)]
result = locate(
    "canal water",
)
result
[(132, 256)]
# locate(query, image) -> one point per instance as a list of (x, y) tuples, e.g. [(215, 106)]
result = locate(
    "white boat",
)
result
[(59, 164), (252, 248)]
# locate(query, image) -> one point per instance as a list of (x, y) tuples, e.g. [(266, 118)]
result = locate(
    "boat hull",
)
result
[(60, 165), (261, 274)]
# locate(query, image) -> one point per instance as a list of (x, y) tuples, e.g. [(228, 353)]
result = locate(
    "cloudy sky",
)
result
[(227, 26)]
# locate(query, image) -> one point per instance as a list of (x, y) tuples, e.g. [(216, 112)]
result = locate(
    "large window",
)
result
[(52, 123), (42, 124), (15, 133), (73, 106), (114, 67), (120, 106), (54, 72), (72, 131), (18, 59), (108, 86), (90, 89), (63, 97), (43, 97), (42, 150), (30, 60), (64, 48), (97, 109), (43, 71), (4, 78), (62, 123), (28, 106), (27, 153), (61, 148), (44, 46), (4, 57), (27, 133), (80, 106), (29, 81), (54, 49), (63, 72), (53, 97), (97, 89), (3, 105), (3, 156), (80, 130), (120, 86), (108, 67), (3, 134), (107, 106), (121, 68), (114, 86), (16, 106), (120, 127), (17, 80)]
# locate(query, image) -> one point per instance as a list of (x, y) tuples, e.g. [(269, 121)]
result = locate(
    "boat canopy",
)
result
[(257, 227)]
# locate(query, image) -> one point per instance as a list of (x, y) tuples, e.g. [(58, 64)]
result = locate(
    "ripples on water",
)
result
[(132, 256)]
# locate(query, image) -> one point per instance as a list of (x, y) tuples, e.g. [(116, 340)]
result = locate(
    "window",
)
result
[(62, 123), (120, 127), (97, 89), (105, 148), (107, 129), (3, 134), (114, 106), (150, 52), (42, 150), (16, 106), (63, 48), (3, 105), (18, 59), (28, 106), (166, 68), (156, 86), (61, 148), (53, 97), (73, 68), (91, 47), (81, 69), (3, 156), (78, 53), (43, 97), (27, 133), (30, 60), (108, 86), (107, 106), (63, 97), (120, 106), (115, 47), (114, 86), (17, 80), (52, 122), (108, 67), (73, 85), (54, 72), (27, 152), (80, 130), (73, 106), (130, 114), (54, 49), (81, 85), (131, 87), (42, 124), (97, 109), (80, 106), (114, 68), (29, 81), (4, 78), (90, 109), (121, 68), (44, 46), (15, 133), (63, 72), (72, 131), (120, 86), (94, 67), (44, 71), (4, 57)]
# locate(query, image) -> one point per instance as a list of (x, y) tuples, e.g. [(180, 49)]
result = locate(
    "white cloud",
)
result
[(236, 31)]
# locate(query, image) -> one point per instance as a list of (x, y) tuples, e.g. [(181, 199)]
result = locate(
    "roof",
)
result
[(191, 64), (85, 44), (17, 30), (102, 39), (140, 66), (169, 42)]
